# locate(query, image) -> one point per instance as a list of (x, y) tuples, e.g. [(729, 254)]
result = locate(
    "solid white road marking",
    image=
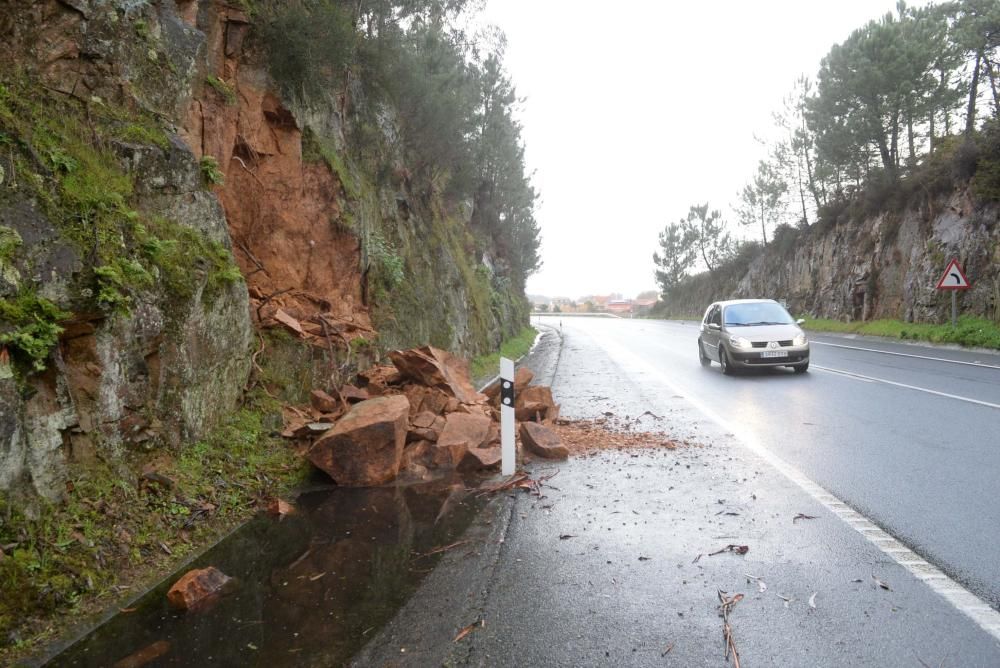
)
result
[(919, 357), (908, 387), (962, 599)]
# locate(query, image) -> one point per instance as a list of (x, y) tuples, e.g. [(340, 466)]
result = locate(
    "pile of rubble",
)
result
[(418, 416)]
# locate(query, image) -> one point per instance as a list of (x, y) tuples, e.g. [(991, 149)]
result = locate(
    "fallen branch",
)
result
[(479, 623), (443, 548), (738, 549), (727, 631)]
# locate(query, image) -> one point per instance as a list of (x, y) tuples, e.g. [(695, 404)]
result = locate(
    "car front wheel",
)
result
[(801, 368), (702, 357), (727, 368)]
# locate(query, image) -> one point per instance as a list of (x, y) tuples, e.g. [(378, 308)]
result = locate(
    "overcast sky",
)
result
[(637, 109)]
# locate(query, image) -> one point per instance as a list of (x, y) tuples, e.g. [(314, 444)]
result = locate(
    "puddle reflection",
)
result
[(312, 588)]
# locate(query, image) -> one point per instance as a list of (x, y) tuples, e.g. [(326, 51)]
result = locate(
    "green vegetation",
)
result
[(69, 557), (34, 323), (971, 332), (382, 256), (226, 91), (513, 348), (61, 150), (455, 124), (316, 149), (210, 171)]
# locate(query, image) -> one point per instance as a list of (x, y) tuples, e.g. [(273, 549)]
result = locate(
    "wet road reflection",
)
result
[(311, 590)]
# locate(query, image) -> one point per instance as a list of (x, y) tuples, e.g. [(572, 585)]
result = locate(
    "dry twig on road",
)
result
[(727, 631)]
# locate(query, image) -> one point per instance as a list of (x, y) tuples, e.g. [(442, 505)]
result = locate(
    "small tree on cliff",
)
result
[(709, 233), (676, 255), (762, 201)]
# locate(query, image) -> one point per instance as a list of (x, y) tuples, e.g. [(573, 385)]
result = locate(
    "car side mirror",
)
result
[(800, 321), (714, 326)]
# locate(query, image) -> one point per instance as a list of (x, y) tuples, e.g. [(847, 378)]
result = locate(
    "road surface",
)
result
[(612, 565)]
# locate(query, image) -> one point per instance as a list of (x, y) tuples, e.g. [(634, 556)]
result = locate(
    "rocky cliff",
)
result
[(161, 201), (857, 267)]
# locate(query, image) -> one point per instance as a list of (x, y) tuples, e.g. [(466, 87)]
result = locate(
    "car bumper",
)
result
[(755, 358)]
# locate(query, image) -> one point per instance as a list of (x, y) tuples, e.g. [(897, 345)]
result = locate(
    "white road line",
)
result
[(919, 357), (908, 387), (848, 374), (973, 607)]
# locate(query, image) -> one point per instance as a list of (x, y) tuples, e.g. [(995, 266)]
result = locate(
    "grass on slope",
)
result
[(970, 332), (487, 366)]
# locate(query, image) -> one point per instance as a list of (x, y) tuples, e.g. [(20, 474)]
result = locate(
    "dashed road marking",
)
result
[(980, 365), (874, 379), (973, 607)]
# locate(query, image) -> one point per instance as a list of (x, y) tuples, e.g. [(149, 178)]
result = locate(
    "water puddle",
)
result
[(312, 588)]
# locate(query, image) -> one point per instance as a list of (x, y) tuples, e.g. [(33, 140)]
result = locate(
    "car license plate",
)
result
[(774, 353)]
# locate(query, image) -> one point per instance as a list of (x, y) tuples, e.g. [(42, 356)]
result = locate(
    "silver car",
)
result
[(750, 333)]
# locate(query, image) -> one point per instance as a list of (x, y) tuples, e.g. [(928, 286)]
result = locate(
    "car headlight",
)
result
[(739, 342), (800, 340)]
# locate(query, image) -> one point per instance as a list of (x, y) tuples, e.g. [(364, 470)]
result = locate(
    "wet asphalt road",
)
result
[(922, 466), (610, 565)]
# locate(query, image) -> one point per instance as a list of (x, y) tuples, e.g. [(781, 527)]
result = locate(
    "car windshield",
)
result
[(758, 313)]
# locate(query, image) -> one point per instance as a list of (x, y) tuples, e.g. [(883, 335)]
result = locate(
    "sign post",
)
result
[(954, 280), (507, 416)]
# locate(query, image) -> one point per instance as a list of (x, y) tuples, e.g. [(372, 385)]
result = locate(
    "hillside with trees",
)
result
[(881, 165)]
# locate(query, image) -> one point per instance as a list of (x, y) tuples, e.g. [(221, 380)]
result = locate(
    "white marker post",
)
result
[(507, 416)]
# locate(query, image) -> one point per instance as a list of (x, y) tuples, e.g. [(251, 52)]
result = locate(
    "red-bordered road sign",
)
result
[(954, 278)]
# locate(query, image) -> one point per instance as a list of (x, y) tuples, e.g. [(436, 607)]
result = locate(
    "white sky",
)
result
[(637, 109)]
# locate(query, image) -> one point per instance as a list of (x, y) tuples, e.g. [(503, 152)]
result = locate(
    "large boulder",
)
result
[(461, 433), (365, 447), (435, 368), (542, 441), (535, 404)]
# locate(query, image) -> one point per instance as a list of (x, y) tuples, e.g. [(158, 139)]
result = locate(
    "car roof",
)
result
[(730, 302)]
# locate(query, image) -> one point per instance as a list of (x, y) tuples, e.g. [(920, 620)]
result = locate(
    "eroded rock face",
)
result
[(365, 447)]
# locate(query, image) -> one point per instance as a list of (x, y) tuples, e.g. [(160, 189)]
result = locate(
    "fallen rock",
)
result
[(463, 432), (522, 378), (435, 368), (542, 441), (365, 447), (197, 588), (535, 404), (323, 402), (423, 420), (353, 395), (279, 507), (376, 380), (476, 459), (290, 323)]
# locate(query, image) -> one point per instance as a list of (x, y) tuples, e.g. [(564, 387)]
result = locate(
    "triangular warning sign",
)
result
[(954, 278)]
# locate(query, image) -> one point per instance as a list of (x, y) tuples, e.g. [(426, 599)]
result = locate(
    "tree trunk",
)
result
[(912, 156), (763, 223), (993, 86), (970, 115), (930, 132), (802, 193)]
